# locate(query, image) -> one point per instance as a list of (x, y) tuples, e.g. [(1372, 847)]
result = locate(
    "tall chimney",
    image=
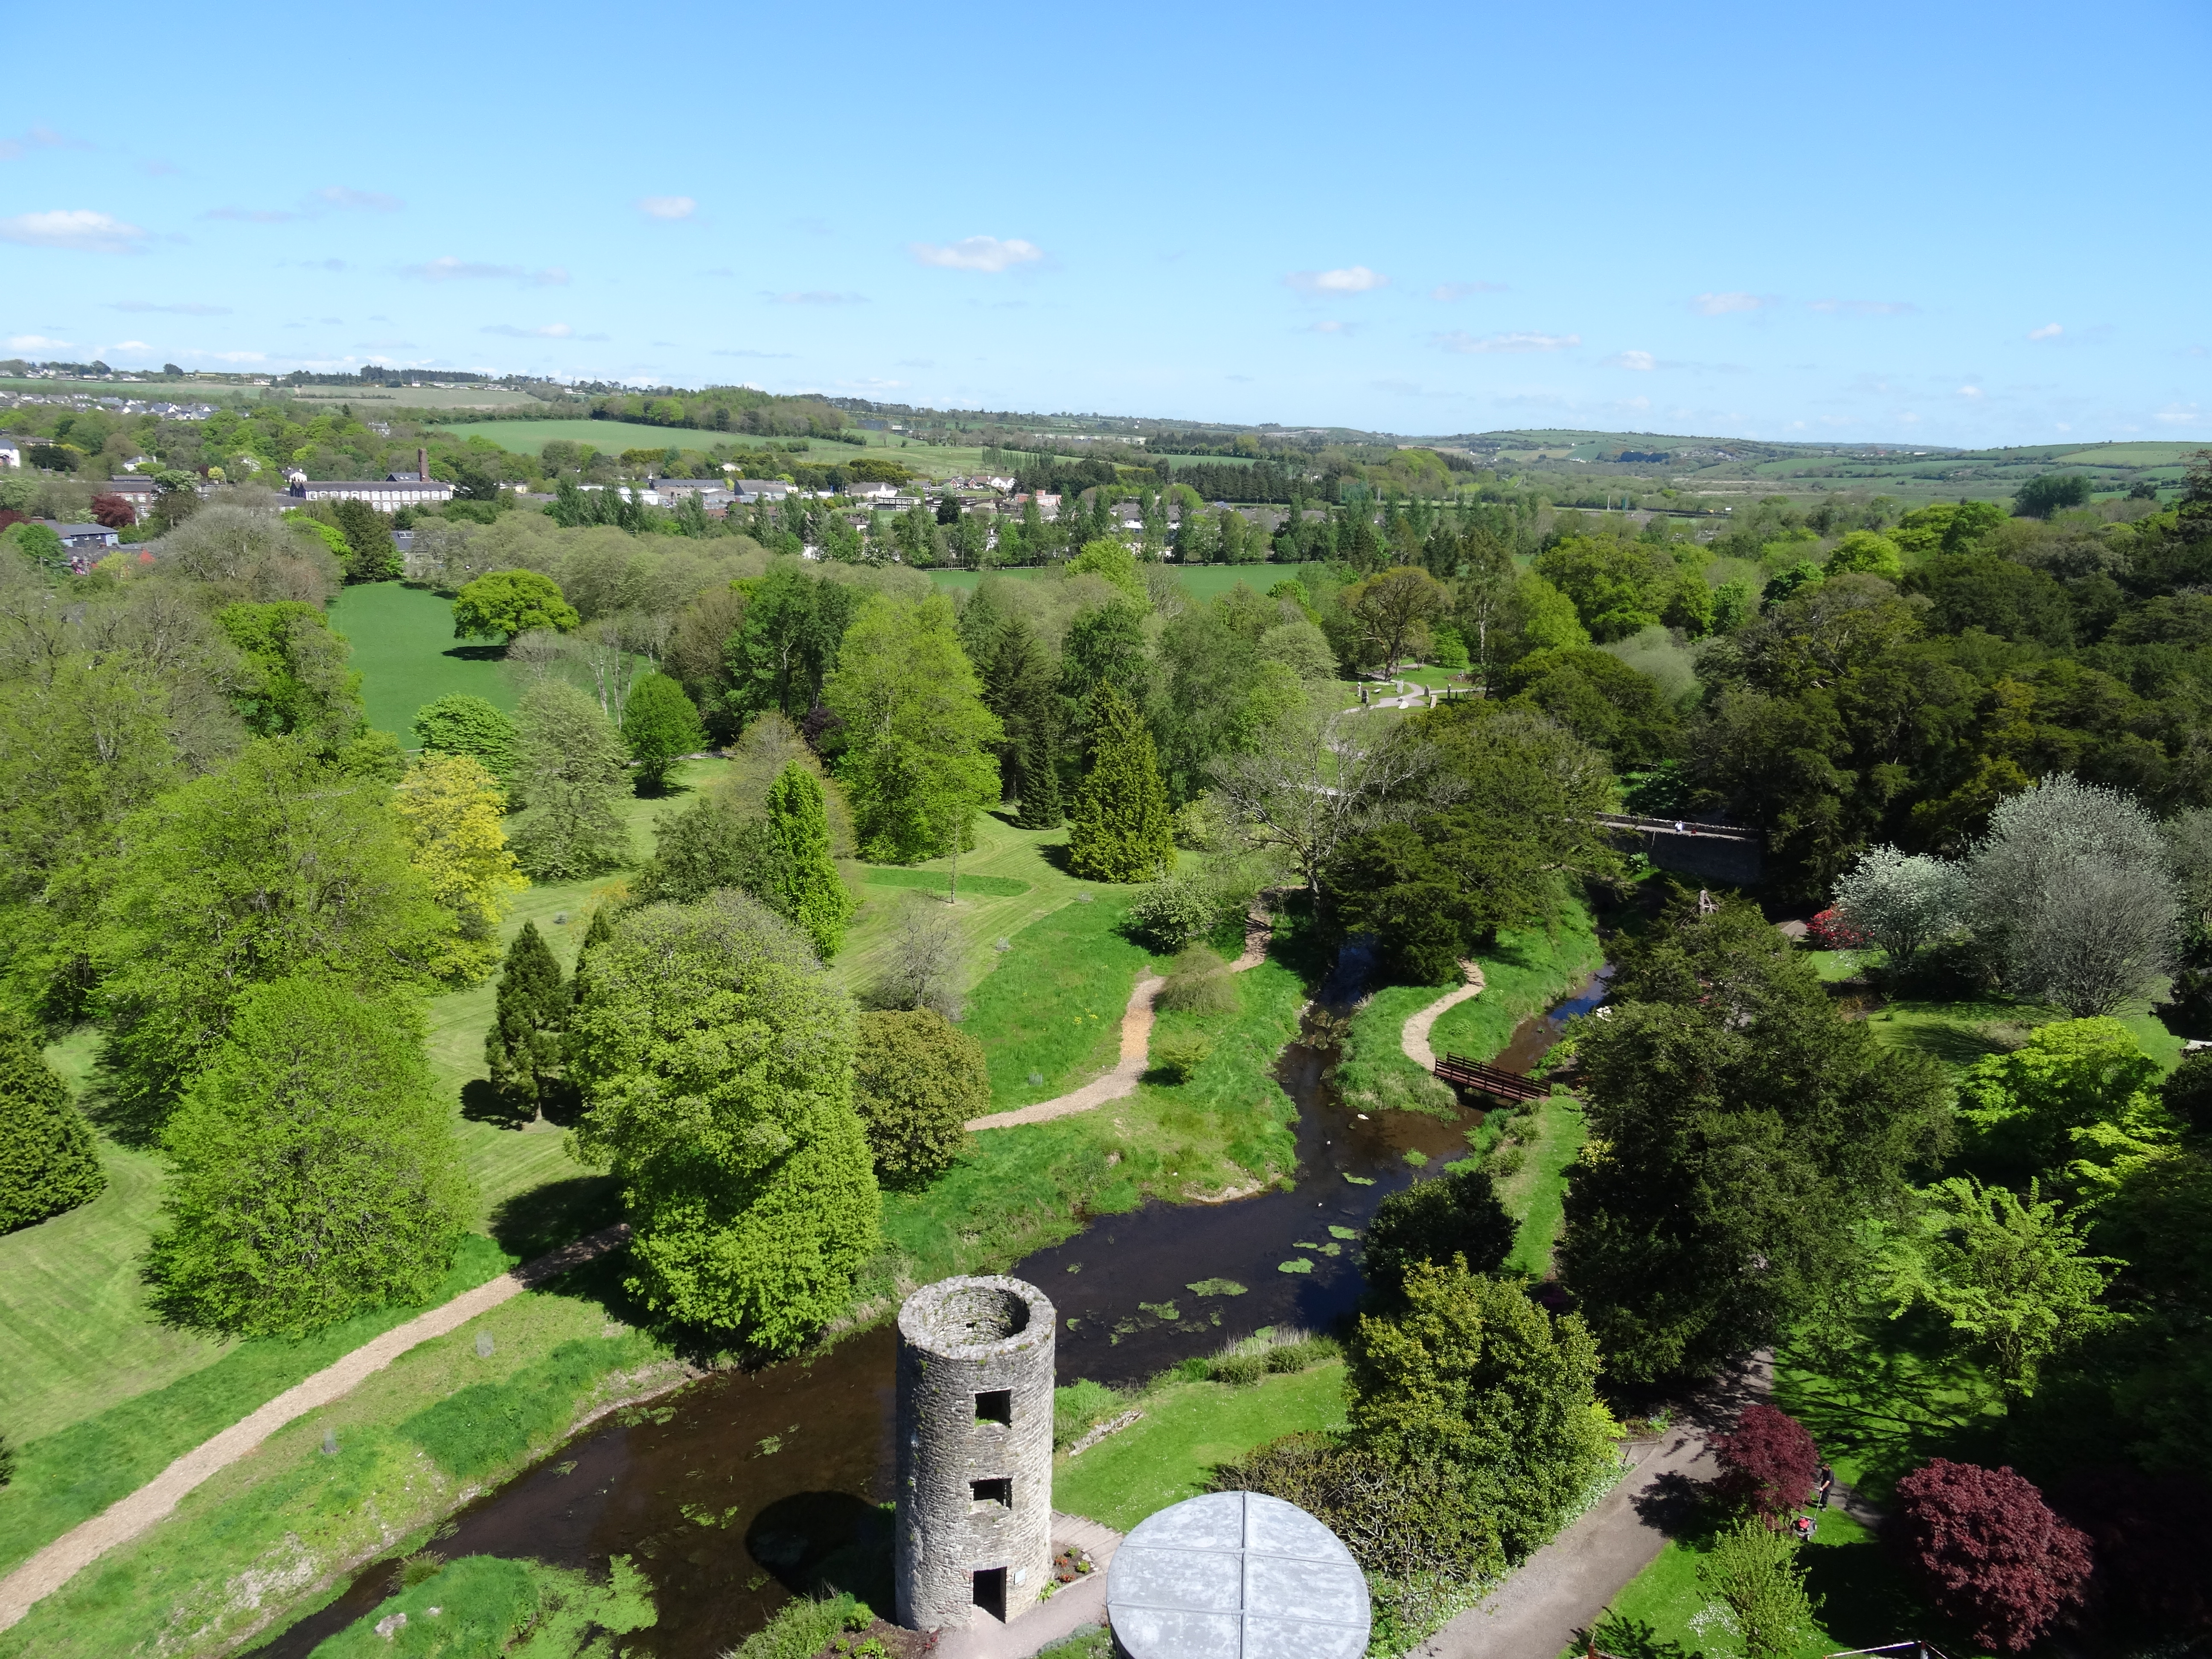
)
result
[(422, 466)]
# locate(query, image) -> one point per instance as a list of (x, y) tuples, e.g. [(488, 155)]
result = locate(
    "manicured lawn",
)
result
[(403, 645), (1051, 1008), (76, 1336), (1525, 973), (1188, 1427)]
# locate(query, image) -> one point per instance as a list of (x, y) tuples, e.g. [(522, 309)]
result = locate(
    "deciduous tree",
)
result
[(462, 724), (1902, 901), (1988, 1551), (1768, 1462), (917, 1079), (451, 808), (274, 866), (660, 727), (506, 603), (1753, 1571), (313, 1172), (1457, 1215), (716, 1065), (571, 767)]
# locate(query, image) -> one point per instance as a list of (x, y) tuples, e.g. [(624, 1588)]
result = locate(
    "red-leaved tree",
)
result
[(1988, 1551), (1768, 1462), (2151, 1535), (1828, 931), (113, 511)]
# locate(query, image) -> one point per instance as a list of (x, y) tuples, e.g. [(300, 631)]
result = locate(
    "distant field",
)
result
[(2133, 454), (403, 645), (423, 396), (530, 437), (1203, 581)]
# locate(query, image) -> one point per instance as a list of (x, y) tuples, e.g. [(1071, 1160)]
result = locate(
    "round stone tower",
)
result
[(974, 1450)]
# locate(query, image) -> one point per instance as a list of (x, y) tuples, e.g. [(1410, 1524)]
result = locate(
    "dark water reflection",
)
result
[(741, 1489)]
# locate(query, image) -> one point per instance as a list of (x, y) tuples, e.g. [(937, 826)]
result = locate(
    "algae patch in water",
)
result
[(1297, 1265), (1343, 1233), (1215, 1287)]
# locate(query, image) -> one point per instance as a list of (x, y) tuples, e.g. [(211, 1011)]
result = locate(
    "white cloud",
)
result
[(1330, 327), (2048, 332), (985, 254), (36, 343), (340, 195), (550, 331), (448, 269), (816, 297), (2180, 414), (1969, 392), (1448, 292), (131, 345), (1850, 307), (666, 207), (1457, 341), (1352, 279), (186, 308), (1724, 305), (79, 229), (1642, 361)]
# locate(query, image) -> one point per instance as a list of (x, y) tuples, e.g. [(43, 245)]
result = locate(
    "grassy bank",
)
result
[(1187, 1428), (274, 1530)]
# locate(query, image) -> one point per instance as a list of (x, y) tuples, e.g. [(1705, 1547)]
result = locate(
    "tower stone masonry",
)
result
[(974, 1450)]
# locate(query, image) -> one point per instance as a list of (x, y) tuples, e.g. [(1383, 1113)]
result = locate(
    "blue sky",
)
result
[(1962, 224)]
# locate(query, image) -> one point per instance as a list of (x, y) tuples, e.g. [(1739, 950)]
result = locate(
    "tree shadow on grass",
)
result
[(1632, 1638), (476, 653), (546, 1217), (1889, 1402), (1865, 1600)]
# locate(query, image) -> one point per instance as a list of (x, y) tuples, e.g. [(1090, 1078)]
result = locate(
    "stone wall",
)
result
[(974, 1406)]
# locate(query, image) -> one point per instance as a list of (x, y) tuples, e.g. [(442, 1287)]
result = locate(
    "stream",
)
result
[(744, 1488)]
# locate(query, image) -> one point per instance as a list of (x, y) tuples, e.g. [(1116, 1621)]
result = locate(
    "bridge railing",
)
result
[(1474, 1074), (1643, 826)]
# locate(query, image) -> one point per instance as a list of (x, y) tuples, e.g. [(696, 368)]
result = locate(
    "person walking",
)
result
[(1827, 1479)]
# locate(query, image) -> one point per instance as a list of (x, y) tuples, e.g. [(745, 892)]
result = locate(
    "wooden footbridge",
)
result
[(1465, 1074)]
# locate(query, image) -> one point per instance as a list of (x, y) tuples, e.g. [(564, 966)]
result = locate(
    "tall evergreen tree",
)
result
[(1122, 830), (802, 881), (524, 1047), (47, 1161), (597, 931), (1019, 688)]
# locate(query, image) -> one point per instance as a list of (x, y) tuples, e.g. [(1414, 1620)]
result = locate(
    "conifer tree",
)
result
[(597, 931), (1122, 830), (47, 1161), (1019, 688), (802, 881), (524, 1047)]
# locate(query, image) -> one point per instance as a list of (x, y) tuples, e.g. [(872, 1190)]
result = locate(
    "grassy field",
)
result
[(1187, 1428), (530, 437), (403, 645)]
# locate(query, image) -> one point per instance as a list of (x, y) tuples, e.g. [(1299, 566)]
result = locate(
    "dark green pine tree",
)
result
[(1020, 686), (47, 1160), (599, 930), (1121, 830), (524, 1047)]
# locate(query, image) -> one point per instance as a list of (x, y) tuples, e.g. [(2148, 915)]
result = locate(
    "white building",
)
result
[(387, 495)]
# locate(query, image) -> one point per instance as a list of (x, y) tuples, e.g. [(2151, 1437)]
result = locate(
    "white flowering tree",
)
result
[(1902, 901)]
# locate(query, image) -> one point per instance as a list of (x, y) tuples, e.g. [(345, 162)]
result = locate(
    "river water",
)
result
[(740, 1491)]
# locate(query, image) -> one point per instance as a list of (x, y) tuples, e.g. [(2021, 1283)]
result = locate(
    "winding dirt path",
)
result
[(129, 1517), (1136, 1043), (1415, 1038)]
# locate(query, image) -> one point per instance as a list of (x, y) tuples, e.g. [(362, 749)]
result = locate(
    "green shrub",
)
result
[(1175, 1058), (1076, 1407), (486, 1605), (803, 1629), (1239, 1370), (1199, 983), (917, 1079), (1168, 914)]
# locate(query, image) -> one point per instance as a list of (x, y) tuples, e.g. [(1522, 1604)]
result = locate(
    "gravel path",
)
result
[(1136, 1044), (1082, 1603), (1415, 1039), (128, 1517)]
